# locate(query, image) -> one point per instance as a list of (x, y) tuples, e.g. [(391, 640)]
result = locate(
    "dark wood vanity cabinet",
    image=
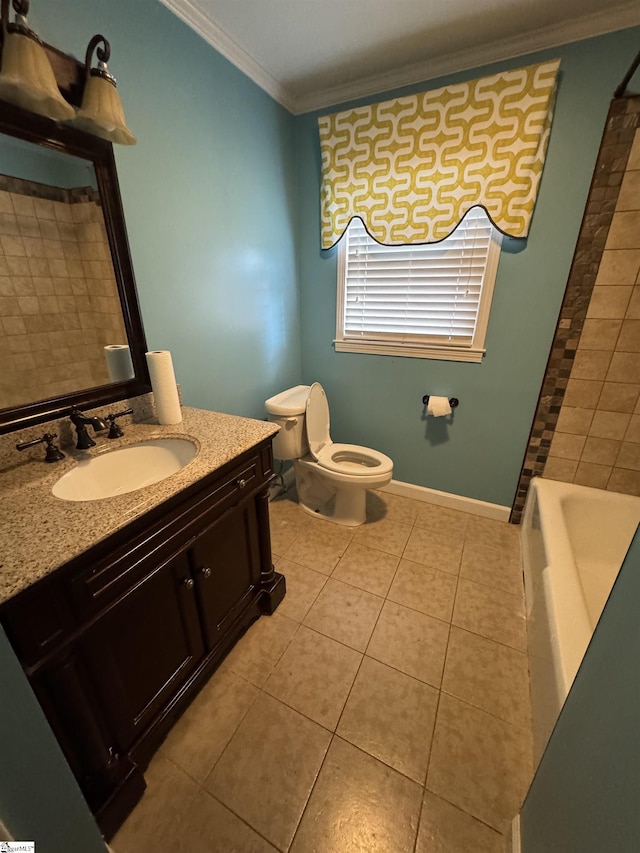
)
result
[(118, 641)]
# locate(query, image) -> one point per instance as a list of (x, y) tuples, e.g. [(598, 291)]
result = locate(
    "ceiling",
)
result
[(310, 54)]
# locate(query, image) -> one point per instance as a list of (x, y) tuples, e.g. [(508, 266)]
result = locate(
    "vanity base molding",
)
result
[(112, 813), (117, 642)]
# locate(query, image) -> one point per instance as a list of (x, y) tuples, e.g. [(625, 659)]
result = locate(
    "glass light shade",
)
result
[(27, 79), (101, 112)]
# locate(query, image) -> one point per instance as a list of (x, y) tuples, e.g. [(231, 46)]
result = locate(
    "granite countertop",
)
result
[(39, 532)]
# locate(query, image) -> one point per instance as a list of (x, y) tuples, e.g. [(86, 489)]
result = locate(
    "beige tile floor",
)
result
[(383, 707)]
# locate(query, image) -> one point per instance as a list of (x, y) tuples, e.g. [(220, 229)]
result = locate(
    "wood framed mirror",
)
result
[(67, 286)]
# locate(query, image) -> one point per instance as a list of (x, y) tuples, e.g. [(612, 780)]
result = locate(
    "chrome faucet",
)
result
[(80, 422)]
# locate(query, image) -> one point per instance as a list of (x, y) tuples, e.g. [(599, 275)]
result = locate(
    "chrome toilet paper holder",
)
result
[(453, 401)]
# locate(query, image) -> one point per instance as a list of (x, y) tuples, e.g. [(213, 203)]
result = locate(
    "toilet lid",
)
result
[(317, 420)]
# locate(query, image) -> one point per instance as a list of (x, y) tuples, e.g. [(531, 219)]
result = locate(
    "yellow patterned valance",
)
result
[(411, 167)]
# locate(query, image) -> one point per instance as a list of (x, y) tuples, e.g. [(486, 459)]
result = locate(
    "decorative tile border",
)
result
[(34, 189), (622, 121)]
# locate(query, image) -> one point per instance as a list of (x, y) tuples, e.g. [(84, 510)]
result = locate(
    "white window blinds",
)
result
[(415, 298)]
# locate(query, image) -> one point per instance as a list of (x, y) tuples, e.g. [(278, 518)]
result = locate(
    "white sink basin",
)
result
[(117, 472)]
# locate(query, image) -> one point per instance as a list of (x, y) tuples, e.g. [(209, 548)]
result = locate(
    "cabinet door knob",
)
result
[(205, 571), (241, 483), (188, 582)]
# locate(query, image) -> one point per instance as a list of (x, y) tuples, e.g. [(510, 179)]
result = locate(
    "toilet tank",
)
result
[(287, 409)]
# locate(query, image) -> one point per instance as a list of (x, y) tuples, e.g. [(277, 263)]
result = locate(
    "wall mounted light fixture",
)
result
[(101, 112), (28, 80)]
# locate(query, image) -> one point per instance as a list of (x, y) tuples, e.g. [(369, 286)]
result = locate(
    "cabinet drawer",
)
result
[(236, 484), (95, 588)]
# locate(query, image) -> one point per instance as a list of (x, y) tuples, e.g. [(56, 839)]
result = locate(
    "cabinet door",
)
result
[(145, 647), (225, 561), (77, 718)]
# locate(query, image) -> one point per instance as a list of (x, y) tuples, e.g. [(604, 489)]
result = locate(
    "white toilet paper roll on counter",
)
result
[(165, 390), (438, 406), (119, 364)]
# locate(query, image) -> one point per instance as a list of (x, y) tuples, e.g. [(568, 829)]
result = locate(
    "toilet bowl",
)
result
[(331, 479)]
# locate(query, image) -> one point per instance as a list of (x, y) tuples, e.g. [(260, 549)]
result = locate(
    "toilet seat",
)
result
[(346, 459), (354, 460)]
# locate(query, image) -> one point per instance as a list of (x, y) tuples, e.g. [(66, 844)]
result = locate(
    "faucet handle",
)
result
[(115, 431), (53, 454)]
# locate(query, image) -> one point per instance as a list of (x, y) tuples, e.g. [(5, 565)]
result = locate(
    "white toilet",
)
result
[(331, 479)]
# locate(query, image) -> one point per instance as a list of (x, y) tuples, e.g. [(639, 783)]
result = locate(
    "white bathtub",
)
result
[(574, 540)]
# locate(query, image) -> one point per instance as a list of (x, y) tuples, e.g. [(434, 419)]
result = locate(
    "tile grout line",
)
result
[(215, 763), (249, 707), (243, 820), (313, 787), (201, 788), (364, 653), (444, 663), (522, 726)]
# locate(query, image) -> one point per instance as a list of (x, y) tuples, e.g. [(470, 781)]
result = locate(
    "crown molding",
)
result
[(214, 35), (598, 23)]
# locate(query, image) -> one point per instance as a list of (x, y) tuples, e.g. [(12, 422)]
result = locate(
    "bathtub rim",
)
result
[(569, 627), (558, 637)]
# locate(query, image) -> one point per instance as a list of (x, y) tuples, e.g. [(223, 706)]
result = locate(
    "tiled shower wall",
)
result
[(597, 437), (59, 303), (587, 424)]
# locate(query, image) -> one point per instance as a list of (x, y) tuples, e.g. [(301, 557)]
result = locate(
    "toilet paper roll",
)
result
[(438, 406), (163, 383), (119, 364)]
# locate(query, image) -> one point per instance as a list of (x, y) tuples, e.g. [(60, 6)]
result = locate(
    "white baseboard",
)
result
[(431, 496), (459, 502)]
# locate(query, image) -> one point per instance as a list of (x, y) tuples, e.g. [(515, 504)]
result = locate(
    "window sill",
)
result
[(440, 353)]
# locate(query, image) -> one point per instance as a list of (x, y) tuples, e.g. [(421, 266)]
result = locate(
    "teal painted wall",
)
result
[(584, 797), (376, 400), (208, 195), (39, 798)]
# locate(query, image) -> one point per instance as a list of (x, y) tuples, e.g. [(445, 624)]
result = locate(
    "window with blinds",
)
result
[(427, 301)]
